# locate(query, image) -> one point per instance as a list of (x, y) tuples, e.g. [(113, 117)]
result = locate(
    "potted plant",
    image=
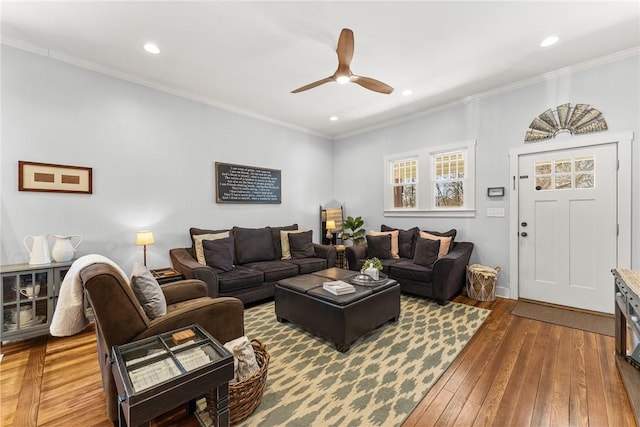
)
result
[(354, 225), (372, 267)]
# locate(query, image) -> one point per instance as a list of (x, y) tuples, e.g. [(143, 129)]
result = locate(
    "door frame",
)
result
[(623, 142)]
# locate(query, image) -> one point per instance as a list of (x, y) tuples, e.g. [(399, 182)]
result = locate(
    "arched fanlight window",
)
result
[(574, 120)]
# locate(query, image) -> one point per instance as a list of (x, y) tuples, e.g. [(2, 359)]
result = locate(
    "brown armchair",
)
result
[(120, 319)]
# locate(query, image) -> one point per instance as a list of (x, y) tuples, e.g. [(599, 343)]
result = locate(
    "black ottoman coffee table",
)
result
[(339, 318)]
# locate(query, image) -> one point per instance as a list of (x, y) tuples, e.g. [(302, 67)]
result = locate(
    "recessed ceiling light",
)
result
[(152, 48), (333, 118), (549, 41), (407, 92)]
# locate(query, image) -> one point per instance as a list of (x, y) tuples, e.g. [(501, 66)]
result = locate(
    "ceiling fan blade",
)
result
[(345, 47), (372, 84), (314, 84)]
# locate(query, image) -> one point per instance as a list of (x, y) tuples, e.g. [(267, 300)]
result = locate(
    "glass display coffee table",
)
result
[(157, 374)]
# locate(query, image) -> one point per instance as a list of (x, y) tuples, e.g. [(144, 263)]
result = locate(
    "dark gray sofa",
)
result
[(444, 279), (257, 264)]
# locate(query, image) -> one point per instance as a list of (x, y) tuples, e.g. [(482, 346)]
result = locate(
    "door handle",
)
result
[(523, 234)]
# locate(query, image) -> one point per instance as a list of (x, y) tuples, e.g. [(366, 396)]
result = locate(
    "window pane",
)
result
[(448, 166), (585, 164), (543, 168), (563, 182), (449, 194), (563, 166), (404, 171), (404, 196), (585, 180), (544, 182)]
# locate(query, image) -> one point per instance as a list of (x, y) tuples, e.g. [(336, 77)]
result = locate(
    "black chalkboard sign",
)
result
[(247, 184)]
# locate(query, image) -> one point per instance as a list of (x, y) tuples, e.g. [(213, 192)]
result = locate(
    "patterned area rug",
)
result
[(378, 381)]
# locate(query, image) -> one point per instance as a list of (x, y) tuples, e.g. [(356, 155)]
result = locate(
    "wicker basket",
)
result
[(481, 282), (245, 396)]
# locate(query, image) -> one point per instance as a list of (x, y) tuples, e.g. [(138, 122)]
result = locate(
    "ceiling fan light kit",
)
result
[(343, 74)]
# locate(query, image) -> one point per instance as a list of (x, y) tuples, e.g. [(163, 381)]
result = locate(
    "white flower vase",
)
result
[(373, 272)]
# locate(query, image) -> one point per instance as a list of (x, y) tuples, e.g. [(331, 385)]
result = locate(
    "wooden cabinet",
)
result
[(29, 294), (627, 297)]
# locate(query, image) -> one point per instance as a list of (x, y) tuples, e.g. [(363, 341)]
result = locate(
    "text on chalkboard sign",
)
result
[(247, 184)]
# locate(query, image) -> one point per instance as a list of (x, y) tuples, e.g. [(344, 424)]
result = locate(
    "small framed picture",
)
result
[(495, 191), (34, 176)]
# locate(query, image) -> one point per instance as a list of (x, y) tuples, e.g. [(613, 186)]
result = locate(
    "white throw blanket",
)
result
[(69, 318)]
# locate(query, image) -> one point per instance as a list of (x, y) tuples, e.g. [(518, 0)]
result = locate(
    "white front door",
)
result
[(568, 226)]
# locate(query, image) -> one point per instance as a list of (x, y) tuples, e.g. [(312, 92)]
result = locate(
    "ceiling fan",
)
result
[(343, 74)]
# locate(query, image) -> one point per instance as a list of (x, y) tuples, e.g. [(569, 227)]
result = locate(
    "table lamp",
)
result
[(331, 225), (144, 238)]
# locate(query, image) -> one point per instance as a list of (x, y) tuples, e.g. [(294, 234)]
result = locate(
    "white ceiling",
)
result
[(248, 56)]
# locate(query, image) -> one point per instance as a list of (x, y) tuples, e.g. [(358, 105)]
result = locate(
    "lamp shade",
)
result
[(331, 225), (144, 237)]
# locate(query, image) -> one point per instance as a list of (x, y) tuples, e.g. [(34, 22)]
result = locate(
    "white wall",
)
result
[(152, 156), (498, 123)]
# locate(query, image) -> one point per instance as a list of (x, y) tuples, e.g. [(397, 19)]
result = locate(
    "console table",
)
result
[(627, 295), (165, 371)]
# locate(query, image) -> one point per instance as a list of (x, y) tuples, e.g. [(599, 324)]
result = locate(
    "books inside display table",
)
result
[(164, 371)]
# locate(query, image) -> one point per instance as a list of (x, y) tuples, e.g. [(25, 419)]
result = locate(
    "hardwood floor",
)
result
[(514, 372)]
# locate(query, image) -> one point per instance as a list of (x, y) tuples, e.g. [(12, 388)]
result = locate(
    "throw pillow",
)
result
[(426, 252), (451, 233), (197, 243), (284, 242), (379, 246), (406, 240), (148, 292), (277, 243), (253, 244), (445, 242), (219, 254), (394, 241), (301, 245), (244, 358)]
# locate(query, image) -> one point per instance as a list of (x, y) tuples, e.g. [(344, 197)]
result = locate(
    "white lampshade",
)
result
[(144, 237), (331, 225)]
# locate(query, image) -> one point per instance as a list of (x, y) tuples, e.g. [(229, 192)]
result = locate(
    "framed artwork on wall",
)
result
[(49, 177)]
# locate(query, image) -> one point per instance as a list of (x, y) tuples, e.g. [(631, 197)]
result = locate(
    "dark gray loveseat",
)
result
[(256, 261), (440, 281)]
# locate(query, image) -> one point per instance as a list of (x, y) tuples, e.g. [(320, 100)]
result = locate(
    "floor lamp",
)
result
[(144, 238)]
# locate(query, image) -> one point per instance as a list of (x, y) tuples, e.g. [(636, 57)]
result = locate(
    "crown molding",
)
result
[(99, 68)]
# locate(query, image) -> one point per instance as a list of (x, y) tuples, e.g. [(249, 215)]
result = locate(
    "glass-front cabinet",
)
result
[(29, 294)]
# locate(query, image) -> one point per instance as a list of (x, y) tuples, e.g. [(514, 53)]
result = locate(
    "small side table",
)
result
[(157, 374), (166, 275), (341, 259)]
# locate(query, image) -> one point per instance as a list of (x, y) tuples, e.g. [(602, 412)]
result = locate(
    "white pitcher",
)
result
[(64, 249), (39, 252)]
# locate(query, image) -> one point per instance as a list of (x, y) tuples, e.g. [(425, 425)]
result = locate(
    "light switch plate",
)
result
[(495, 212)]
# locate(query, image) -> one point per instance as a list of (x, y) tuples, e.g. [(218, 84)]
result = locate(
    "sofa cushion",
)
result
[(406, 240), (426, 252), (274, 270), (445, 242), (240, 277), (408, 270), (277, 243), (199, 238), (301, 245), (394, 240), (379, 246), (284, 242), (219, 253), (253, 244), (148, 292), (309, 265), (193, 231)]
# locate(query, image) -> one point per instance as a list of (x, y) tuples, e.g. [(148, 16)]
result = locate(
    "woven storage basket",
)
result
[(245, 396), (481, 282)]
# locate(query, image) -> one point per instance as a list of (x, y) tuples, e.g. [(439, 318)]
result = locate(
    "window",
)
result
[(565, 174), (404, 181), (438, 181)]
